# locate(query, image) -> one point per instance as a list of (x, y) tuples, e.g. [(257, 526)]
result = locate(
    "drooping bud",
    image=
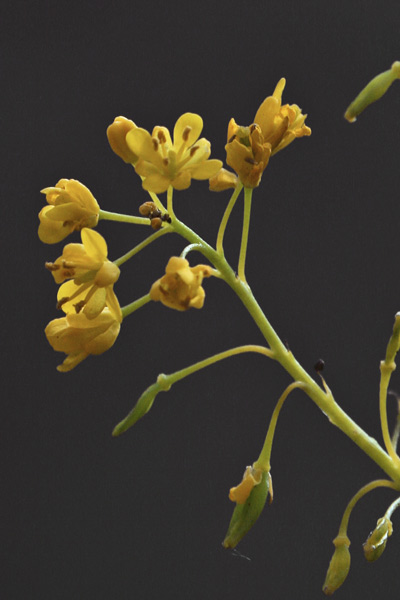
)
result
[(376, 542), (250, 497), (339, 565)]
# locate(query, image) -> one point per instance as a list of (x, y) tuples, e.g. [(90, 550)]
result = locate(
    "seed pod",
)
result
[(142, 406), (372, 92), (376, 542), (339, 565), (246, 514)]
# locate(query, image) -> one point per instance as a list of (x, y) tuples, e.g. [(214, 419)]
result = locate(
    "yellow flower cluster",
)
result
[(249, 149), (93, 314), (180, 287)]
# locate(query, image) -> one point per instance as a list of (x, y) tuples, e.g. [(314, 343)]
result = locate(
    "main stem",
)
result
[(322, 399)]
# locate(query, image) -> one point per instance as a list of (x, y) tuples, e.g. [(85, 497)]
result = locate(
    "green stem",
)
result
[(139, 247), (364, 490), (386, 372), (130, 308), (170, 207), (157, 201), (166, 381), (245, 232), (263, 461), (394, 506), (322, 399), (225, 218), (190, 248), (111, 216)]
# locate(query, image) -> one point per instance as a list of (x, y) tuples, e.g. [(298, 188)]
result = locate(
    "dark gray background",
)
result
[(92, 517)]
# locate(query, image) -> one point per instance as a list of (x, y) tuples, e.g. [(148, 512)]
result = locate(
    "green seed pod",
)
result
[(246, 514), (142, 406), (372, 92), (376, 542), (339, 565)]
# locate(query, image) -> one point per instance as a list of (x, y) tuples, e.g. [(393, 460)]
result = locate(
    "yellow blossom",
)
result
[(223, 180), (71, 206), (77, 336), (163, 163), (241, 492), (116, 134), (92, 277), (180, 287), (275, 126)]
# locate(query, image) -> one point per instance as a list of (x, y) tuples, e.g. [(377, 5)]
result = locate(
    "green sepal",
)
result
[(377, 539), (142, 406), (245, 515), (338, 567)]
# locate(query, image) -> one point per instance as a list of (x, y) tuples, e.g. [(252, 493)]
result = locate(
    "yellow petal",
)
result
[(206, 169), (182, 133), (94, 243), (141, 143), (156, 183)]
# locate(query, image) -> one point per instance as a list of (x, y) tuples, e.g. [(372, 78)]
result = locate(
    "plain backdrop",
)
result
[(86, 516)]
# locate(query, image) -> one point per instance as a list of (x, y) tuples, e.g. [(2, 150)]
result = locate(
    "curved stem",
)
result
[(190, 248), (225, 218), (111, 216), (130, 308), (263, 461), (139, 247), (394, 506), (245, 232), (386, 372), (364, 490)]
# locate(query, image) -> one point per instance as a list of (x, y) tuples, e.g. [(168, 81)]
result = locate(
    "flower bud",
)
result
[(142, 406), (249, 504), (376, 542), (116, 134), (339, 565)]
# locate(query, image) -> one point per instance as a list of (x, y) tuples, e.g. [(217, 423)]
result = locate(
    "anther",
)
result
[(61, 302), (51, 266), (251, 161), (193, 149), (79, 305), (319, 365), (231, 138), (161, 137), (185, 133), (155, 144), (166, 162)]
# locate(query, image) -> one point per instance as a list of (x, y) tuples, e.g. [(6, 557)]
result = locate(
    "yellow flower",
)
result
[(78, 336), (241, 492), (180, 287), (275, 126), (116, 134), (223, 180), (92, 277), (71, 207), (163, 163)]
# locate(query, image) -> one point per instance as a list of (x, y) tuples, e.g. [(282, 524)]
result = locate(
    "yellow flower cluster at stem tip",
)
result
[(162, 163), (275, 126), (77, 336), (116, 134), (241, 492), (71, 206), (180, 287), (92, 277)]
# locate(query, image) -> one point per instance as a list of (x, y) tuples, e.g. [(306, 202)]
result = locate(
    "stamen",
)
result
[(232, 138), (161, 137), (51, 266), (251, 161), (61, 302), (193, 150), (155, 144), (166, 162), (79, 305), (185, 133), (252, 127)]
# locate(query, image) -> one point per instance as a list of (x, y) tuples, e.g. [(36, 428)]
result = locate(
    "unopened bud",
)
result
[(223, 180), (142, 406), (339, 565), (116, 134), (250, 497), (376, 542)]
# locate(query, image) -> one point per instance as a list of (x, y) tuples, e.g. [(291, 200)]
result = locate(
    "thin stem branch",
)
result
[(263, 461), (130, 308), (111, 216), (245, 233), (146, 242), (225, 218)]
